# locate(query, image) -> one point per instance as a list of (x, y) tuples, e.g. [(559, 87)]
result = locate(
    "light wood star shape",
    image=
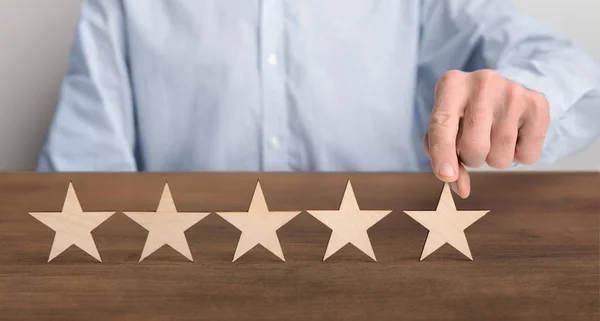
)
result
[(72, 226), (166, 226), (258, 225), (446, 225), (349, 224)]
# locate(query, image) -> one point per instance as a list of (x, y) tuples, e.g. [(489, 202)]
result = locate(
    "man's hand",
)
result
[(480, 118)]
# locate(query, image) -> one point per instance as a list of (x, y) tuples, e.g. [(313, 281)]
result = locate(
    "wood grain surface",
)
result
[(536, 253)]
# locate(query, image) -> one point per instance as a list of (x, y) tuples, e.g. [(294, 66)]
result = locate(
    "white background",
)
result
[(35, 38)]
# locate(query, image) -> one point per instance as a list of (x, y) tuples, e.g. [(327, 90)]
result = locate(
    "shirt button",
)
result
[(274, 143), (272, 60)]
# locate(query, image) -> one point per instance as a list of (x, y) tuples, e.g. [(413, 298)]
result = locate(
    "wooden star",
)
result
[(72, 226), (349, 224), (446, 225), (258, 225), (166, 226)]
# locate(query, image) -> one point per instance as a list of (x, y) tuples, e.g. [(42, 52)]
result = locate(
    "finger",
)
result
[(505, 131), (530, 141), (474, 142), (462, 186), (450, 99)]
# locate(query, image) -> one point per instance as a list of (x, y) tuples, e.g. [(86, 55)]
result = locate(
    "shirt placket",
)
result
[(274, 117)]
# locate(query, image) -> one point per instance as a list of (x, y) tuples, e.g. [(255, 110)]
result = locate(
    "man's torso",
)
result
[(278, 85)]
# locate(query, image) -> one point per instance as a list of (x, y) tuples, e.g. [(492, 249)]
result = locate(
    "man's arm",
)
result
[(474, 35), (93, 127)]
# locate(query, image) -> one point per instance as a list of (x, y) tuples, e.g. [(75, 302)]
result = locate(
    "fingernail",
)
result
[(454, 187), (447, 170)]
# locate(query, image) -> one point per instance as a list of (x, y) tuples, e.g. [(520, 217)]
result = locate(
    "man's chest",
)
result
[(317, 83), (310, 33)]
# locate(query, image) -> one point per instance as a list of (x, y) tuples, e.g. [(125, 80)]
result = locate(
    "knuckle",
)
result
[(473, 152), (450, 77), (514, 95), (439, 146), (503, 150), (477, 114), (541, 118), (538, 99), (514, 102), (486, 78), (513, 110), (514, 89), (440, 119), (529, 148), (537, 140), (507, 140), (540, 109), (545, 118), (486, 83), (473, 146)]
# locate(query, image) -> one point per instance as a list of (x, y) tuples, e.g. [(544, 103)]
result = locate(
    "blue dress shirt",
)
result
[(295, 85)]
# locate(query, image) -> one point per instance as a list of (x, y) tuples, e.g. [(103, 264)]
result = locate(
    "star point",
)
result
[(72, 226), (446, 225), (258, 226), (166, 226), (349, 224)]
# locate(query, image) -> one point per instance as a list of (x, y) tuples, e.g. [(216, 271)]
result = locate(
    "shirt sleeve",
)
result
[(93, 125), (493, 34)]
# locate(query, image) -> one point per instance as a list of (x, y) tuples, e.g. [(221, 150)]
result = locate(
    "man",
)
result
[(327, 85)]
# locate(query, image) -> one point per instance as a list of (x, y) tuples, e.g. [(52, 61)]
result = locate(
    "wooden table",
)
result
[(535, 253)]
